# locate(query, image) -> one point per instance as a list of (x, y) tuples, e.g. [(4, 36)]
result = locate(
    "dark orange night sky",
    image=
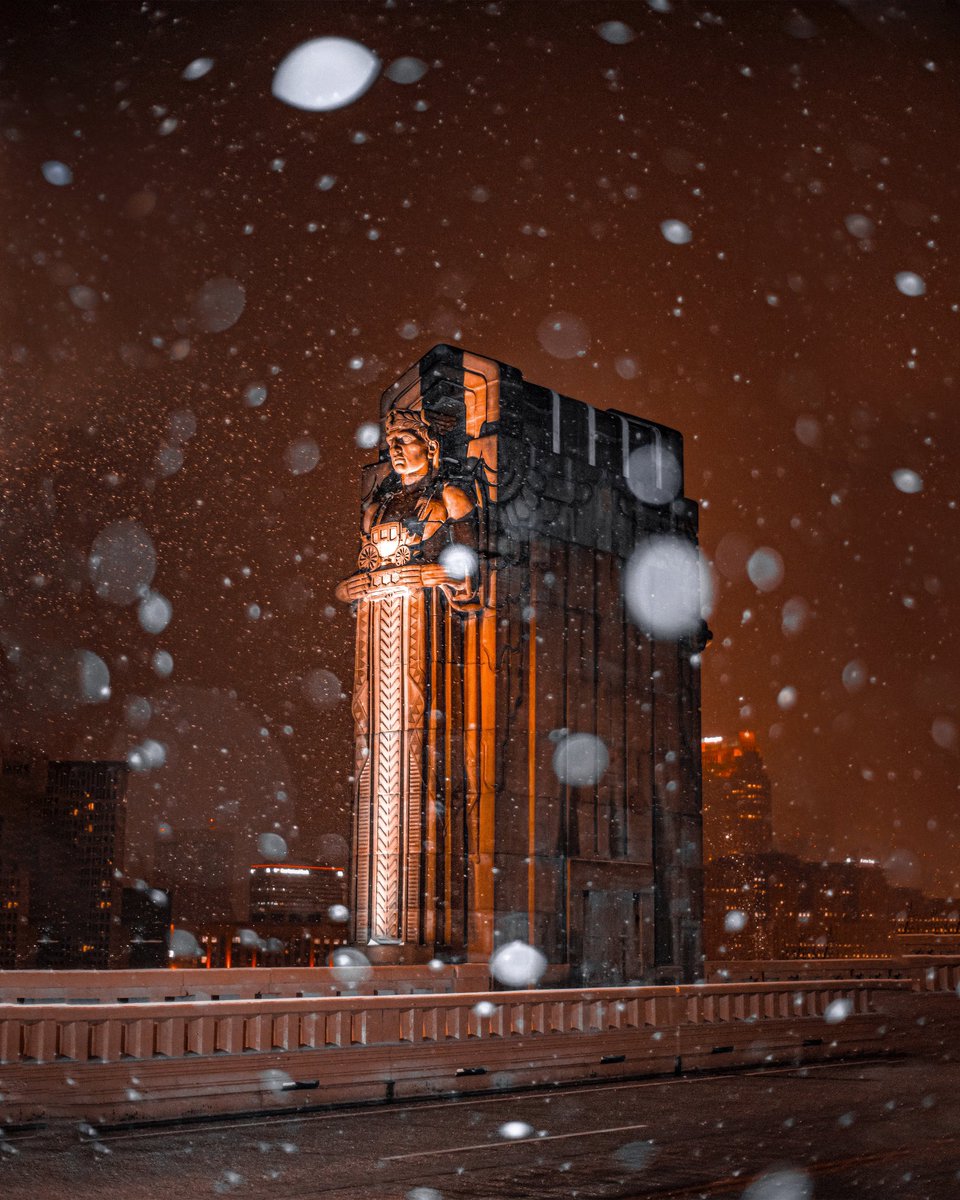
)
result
[(810, 149)]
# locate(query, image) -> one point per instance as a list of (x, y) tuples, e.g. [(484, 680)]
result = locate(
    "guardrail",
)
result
[(926, 973), (115, 1063), (237, 983), (936, 975)]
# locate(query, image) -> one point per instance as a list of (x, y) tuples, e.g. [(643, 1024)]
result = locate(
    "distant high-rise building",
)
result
[(22, 782), (14, 909), (77, 864), (291, 910), (295, 893), (737, 809), (144, 922)]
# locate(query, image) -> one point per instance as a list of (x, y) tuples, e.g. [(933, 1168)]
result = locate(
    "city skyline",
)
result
[(211, 901), (763, 902)]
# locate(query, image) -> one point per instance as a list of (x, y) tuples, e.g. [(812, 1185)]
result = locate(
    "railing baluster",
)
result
[(694, 1022)]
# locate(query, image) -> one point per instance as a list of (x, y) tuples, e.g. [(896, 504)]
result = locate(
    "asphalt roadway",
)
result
[(887, 1128)]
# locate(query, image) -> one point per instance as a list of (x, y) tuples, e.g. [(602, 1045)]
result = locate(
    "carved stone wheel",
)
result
[(369, 557), (402, 556)]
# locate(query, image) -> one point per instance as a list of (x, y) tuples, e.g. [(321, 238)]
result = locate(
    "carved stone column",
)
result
[(388, 834), (424, 694)]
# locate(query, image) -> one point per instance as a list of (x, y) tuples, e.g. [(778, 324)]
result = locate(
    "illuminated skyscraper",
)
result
[(295, 892), (293, 909), (737, 812)]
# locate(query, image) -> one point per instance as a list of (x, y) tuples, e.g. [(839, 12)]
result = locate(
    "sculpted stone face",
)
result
[(410, 454)]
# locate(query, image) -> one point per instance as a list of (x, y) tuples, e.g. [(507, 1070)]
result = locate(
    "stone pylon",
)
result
[(496, 527)]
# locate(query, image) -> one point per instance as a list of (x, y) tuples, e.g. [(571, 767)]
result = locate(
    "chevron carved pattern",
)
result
[(415, 682), (414, 791), (361, 844), (419, 703), (361, 674), (415, 674), (388, 615), (361, 827), (386, 863)]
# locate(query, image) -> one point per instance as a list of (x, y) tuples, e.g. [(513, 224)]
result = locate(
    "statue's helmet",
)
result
[(407, 418), (413, 419)]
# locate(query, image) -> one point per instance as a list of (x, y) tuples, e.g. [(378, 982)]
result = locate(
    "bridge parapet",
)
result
[(116, 1063), (926, 972), (237, 983)]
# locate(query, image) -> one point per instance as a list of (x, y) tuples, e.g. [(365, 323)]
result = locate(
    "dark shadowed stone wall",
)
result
[(616, 866)]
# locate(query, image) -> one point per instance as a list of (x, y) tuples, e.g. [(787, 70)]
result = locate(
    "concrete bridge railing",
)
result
[(116, 1063), (237, 983), (925, 972)]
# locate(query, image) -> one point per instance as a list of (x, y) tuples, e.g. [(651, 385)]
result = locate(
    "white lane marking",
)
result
[(379, 1109), (549, 1137)]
